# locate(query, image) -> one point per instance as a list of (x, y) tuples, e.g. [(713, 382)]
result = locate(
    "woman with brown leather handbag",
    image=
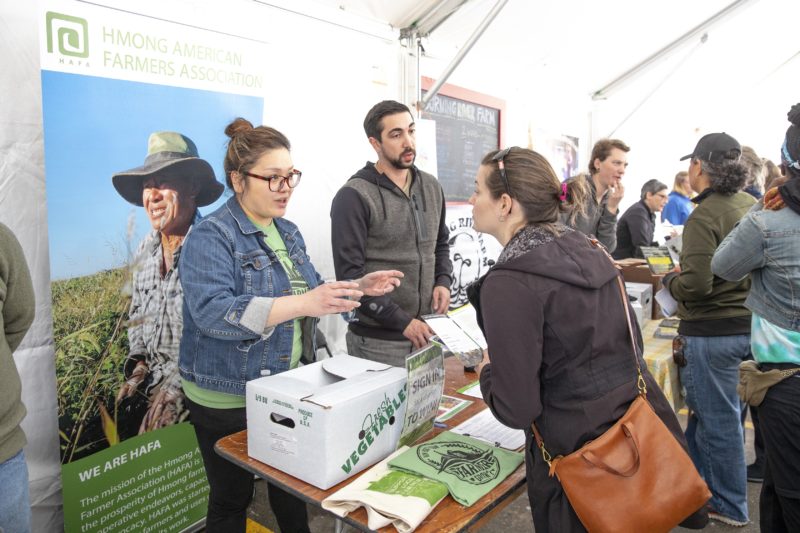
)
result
[(560, 350)]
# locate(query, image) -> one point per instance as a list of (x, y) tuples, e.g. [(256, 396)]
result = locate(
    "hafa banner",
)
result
[(110, 79)]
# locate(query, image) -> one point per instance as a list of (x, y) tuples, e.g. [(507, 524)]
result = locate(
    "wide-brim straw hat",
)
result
[(170, 154)]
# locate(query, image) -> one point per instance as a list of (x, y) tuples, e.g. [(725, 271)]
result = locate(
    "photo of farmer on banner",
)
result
[(171, 184)]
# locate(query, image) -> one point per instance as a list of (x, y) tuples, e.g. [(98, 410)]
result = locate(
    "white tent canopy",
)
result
[(548, 58)]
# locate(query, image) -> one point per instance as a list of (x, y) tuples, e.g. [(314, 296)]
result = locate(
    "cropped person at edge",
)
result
[(17, 309), (766, 246)]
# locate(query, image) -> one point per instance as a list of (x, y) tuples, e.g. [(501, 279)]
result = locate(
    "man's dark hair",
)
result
[(373, 121), (652, 186), (602, 149)]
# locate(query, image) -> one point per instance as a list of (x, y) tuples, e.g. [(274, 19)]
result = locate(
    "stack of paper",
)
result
[(460, 333), (484, 426)]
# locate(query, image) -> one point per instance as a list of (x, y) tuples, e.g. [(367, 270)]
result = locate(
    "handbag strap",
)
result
[(641, 385)]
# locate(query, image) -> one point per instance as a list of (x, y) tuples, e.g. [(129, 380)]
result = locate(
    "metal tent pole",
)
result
[(700, 29), (461, 54)]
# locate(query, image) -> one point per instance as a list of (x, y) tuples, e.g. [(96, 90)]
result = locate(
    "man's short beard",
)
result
[(399, 164)]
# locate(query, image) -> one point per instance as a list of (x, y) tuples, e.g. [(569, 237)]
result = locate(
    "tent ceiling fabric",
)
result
[(587, 42), (398, 13), (549, 57)]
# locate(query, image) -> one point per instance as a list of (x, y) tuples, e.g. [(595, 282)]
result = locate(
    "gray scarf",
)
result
[(527, 239)]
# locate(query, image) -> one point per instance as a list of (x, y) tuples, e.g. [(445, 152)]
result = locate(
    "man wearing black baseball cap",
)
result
[(715, 325), (715, 148)]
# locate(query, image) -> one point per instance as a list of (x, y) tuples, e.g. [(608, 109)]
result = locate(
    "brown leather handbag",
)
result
[(634, 477)]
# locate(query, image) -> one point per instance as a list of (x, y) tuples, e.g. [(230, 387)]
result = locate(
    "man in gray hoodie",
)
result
[(391, 215)]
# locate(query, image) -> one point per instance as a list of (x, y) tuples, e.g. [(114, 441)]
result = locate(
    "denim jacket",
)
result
[(765, 244), (230, 279)]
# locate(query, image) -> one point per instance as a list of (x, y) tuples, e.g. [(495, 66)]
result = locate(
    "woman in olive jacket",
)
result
[(550, 308)]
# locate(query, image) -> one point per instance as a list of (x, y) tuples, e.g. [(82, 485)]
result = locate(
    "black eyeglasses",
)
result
[(276, 182), (499, 156)]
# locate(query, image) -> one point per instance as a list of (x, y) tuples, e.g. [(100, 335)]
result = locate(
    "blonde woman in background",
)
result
[(679, 204)]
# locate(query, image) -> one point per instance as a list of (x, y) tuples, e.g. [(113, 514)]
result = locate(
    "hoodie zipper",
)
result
[(418, 223)]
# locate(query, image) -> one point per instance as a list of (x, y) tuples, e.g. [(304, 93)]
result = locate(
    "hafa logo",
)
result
[(67, 35)]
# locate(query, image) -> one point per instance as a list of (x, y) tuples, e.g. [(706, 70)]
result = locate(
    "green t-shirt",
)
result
[(210, 398), (298, 284)]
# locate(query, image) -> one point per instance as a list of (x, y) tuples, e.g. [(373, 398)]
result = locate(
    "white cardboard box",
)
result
[(326, 421), (643, 294), (637, 310)]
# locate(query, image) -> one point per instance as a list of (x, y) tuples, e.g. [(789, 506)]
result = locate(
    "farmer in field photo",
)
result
[(171, 185)]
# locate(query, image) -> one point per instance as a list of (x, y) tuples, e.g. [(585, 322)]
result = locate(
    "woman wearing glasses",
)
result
[(552, 314), (251, 302)]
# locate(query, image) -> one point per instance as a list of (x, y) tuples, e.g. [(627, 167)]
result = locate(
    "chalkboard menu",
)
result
[(465, 132)]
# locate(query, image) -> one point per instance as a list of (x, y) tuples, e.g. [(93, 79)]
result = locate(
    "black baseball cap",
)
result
[(715, 147)]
